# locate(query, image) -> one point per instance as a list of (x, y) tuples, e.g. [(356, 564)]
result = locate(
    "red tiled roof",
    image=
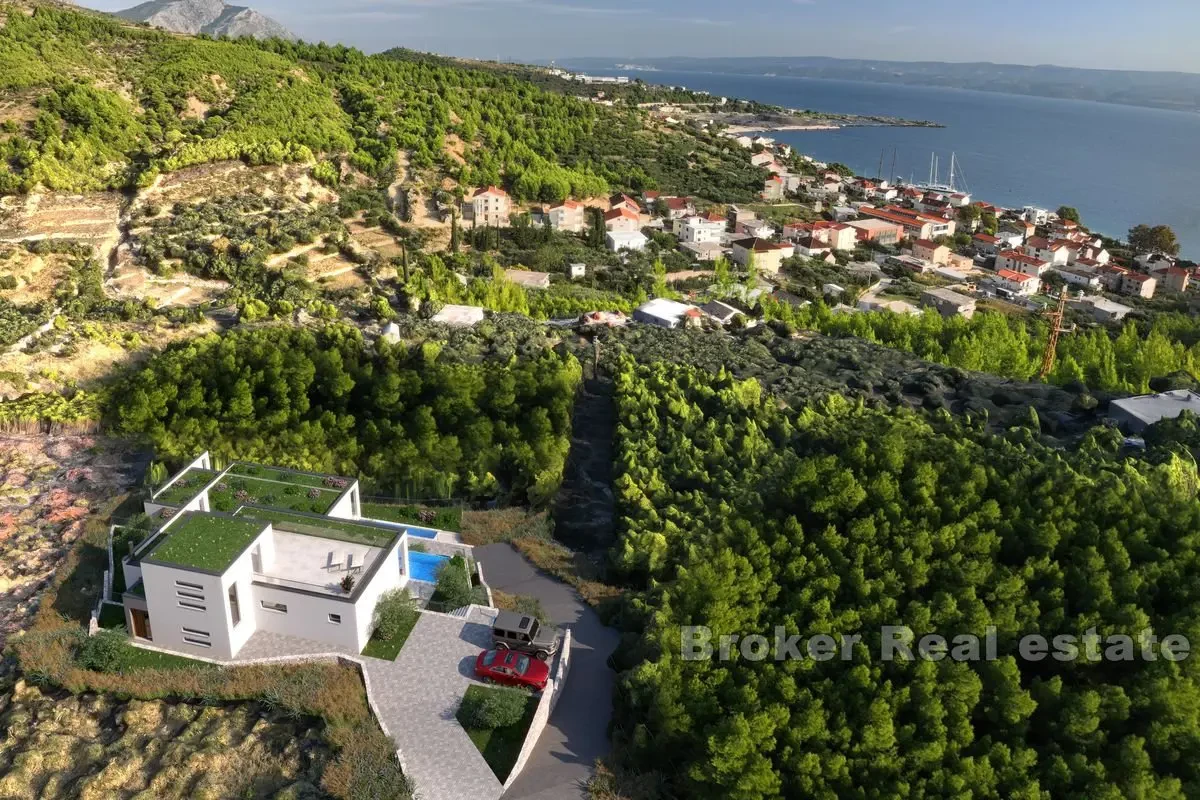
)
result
[(1137, 276), (760, 245), (1013, 255), (928, 244), (677, 203), (490, 190), (1017, 277), (983, 237), (571, 204), (617, 213), (651, 195), (1038, 243)]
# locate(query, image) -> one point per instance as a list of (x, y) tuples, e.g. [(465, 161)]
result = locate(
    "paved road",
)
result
[(577, 734)]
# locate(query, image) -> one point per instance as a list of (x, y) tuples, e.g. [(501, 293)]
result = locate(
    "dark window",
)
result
[(187, 585), (192, 606), (336, 619), (234, 610), (489, 658), (278, 608)]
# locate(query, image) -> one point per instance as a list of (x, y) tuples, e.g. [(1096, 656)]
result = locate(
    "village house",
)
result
[(917, 266), (755, 227), (735, 216), (703, 251), (664, 313), (761, 159), (1018, 282), (1056, 252), (697, 229), (679, 207), (811, 247), (528, 278), (1078, 275), (624, 201), (1176, 279), (835, 234), (567, 217), (1135, 414), (1102, 309), (931, 251), (1016, 261), (768, 256), (721, 313), (1009, 239), (625, 240), (1138, 284), (622, 220), (773, 188), (949, 303), (651, 198), (985, 245), (877, 230), (577, 271), (490, 207)]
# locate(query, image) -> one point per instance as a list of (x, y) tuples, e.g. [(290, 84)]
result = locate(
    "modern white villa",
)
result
[(252, 548)]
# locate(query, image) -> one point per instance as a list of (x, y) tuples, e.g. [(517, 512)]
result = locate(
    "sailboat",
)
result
[(934, 183)]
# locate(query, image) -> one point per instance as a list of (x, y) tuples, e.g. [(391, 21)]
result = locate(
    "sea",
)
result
[(1119, 165)]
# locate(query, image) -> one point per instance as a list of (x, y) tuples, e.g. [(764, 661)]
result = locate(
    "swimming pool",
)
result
[(424, 566), (422, 533)]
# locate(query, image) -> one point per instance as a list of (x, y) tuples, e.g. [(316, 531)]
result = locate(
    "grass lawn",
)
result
[(256, 491), (112, 616), (501, 746), (206, 542), (282, 475), (444, 519), (327, 527), (134, 658), (389, 649), (186, 487)]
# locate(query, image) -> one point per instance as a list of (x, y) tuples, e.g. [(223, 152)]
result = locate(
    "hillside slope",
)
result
[(212, 17), (90, 103)]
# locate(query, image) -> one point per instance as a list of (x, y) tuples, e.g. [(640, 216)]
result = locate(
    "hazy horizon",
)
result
[(1101, 34)]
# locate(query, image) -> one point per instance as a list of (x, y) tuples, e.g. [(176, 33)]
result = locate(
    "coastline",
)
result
[(770, 128)]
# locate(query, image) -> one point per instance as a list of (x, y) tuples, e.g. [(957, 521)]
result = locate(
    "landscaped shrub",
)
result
[(453, 585), (103, 652), (490, 707), (395, 613)]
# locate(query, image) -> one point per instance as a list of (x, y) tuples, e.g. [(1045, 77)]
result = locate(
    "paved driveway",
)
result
[(577, 734), (417, 696)]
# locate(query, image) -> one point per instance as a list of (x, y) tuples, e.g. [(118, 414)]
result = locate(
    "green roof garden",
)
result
[(325, 527), (274, 488), (208, 542), (187, 486)]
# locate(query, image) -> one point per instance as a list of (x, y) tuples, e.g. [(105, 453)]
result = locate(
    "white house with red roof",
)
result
[(1016, 261), (931, 251), (679, 207), (773, 188), (1056, 252), (624, 201), (567, 216), (697, 229), (491, 207), (986, 244), (622, 220), (1018, 282), (1139, 284), (768, 255)]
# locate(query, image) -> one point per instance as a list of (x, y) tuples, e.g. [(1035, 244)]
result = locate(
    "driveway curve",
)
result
[(577, 733)]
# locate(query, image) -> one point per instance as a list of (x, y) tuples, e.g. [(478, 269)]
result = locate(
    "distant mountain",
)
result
[(206, 16), (1173, 90)]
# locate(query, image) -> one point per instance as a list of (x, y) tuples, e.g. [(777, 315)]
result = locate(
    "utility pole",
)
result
[(1056, 330)]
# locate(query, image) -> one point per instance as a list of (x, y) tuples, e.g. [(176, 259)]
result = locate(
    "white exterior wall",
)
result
[(348, 506), (699, 231), (387, 577), (167, 617), (623, 225), (307, 616)]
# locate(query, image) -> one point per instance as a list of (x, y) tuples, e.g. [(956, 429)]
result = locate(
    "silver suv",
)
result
[(513, 631)]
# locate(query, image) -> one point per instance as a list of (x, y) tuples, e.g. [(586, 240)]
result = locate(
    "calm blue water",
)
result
[(425, 566), (423, 533), (1119, 165)]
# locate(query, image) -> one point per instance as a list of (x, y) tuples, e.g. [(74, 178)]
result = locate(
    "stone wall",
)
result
[(546, 705)]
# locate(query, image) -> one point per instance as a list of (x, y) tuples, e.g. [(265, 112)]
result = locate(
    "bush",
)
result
[(453, 584), (489, 707), (8, 282), (394, 613), (103, 652)]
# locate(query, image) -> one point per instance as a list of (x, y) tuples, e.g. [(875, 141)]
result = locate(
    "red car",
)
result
[(512, 668)]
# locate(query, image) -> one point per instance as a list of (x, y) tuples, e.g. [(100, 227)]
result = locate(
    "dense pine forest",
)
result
[(840, 519)]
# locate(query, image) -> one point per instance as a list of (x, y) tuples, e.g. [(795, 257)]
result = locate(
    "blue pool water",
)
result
[(425, 566), (421, 533)]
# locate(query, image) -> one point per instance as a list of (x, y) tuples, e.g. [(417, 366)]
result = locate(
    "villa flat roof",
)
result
[(204, 541)]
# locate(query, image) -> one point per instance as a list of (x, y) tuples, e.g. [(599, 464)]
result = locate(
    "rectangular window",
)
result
[(194, 632), (196, 642), (189, 595), (336, 619), (192, 606), (278, 608), (187, 585), (234, 611)]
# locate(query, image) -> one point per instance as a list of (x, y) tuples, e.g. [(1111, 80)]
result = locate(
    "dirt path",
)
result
[(584, 507)]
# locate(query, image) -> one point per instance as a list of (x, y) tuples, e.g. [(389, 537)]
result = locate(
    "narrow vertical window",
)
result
[(234, 611)]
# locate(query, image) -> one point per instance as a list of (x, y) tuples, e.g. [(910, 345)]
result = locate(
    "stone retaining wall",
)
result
[(546, 705)]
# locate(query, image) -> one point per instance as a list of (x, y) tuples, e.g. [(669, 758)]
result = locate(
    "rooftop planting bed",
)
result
[(233, 491), (326, 527), (207, 542), (186, 487)]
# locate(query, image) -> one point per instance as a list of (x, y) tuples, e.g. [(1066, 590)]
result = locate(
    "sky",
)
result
[(1112, 34)]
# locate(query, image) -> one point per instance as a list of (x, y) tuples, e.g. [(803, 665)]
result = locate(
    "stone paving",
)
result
[(417, 696)]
